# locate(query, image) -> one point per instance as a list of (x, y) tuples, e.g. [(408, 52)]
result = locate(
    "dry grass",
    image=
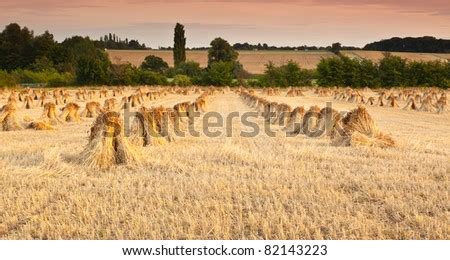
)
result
[(231, 187), (359, 129), (108, 145)]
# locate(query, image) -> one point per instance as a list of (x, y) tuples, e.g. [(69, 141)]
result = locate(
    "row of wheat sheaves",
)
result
[(109, 142)]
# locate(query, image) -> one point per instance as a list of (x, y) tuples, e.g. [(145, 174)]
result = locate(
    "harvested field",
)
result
[(375, 56), (228, 187)]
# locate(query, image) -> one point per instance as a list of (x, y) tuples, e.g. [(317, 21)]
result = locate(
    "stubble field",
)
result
[(231, 187)]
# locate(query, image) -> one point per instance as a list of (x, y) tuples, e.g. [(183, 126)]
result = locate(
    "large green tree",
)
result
[(16, 49), (289, 74), (179, 47), (218, 74), (155, 64), (221, 50), (392, 71), (93, 69), (336, 47)]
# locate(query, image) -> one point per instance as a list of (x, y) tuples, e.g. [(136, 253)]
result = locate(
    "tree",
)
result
[(16, 49), (41, 64), (221, 50), (43, 45), (124, 74), (286, 75), (330, 72), (219, 73), (152, 78), (154, 63), (189, 68), (410, 44), (336, 48), (182, 81), (392, 71), (367, 74), (179, 47), (93, 69)]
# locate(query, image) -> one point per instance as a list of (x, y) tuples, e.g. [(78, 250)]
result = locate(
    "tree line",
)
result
[(112, 41), (410, 44), (29, 58), (391, 71)]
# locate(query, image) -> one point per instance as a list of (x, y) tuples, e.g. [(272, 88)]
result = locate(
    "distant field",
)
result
[(255, 61), (377, 55)]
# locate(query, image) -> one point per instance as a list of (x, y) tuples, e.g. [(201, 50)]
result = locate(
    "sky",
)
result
[(275, 22)]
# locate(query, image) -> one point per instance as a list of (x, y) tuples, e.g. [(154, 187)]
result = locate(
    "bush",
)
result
[(218, 74), (61, 79), (93, 69), (182, 80), (254, 83), (124, 74), (7, 79), (286, 75), (41, 64), (392, 71), (47, 77), (189, 68), (152, 78), (155, 64), (221, 51)]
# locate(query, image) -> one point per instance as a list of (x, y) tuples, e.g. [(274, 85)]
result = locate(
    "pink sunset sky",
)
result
[(276, 22)]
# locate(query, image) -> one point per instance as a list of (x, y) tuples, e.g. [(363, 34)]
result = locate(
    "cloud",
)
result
[(277, 22), (435, 7), (51, 4)]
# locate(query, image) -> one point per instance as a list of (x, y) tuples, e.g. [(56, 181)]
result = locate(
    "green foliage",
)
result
[(411, 44), (57, 79), (93, 69), (366, 74), (152, 78), (16, 47), (179, 47), (43, 45), (42, 63), (182, 80), (124, 74), (286, 75), (254, 83), (188, 68), (7, 79), (239, 72), (336, 47), (48, 77), (218, 74), (392, 71), (221, 50), (155, 64)]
